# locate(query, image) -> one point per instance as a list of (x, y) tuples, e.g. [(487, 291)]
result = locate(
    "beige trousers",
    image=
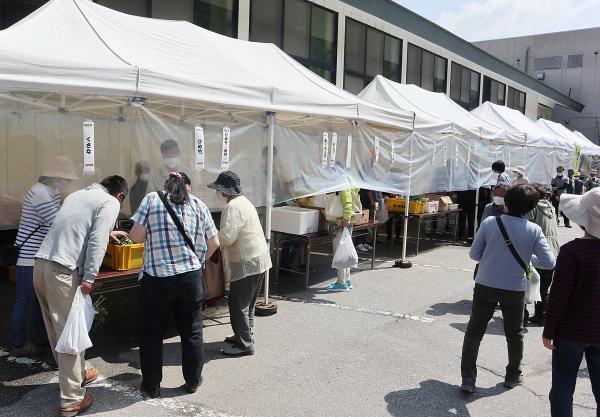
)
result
[(55, 286)]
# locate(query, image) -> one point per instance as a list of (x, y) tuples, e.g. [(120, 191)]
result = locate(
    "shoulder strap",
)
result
[(176, 220), (29, 235), (510, 245)]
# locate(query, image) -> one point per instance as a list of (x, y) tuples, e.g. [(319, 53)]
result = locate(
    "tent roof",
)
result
[(77, 46), (588, 147), (515, 120), (433, 111)]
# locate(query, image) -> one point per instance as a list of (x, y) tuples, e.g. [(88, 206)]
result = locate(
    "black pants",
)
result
[(466, 218), (181, 295), (555, 202), (545, 282), (485, 300)]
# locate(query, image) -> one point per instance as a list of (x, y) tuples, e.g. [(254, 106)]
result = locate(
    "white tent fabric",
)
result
[(77, 46), (515, 120), (588, 148), (435, 112)]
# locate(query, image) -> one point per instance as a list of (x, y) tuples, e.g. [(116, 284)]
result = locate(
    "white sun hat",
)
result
[(60, 167), (583, 210)]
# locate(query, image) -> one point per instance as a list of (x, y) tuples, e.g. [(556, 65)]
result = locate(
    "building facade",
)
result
[(349, 42), (567, 61)]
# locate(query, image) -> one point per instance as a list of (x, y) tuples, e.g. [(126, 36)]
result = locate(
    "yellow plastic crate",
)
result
[(122, 258), (417, 207), (395, 205)]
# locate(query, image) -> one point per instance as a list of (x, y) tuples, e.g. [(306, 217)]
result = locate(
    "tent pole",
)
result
[(404, 263), (266, 308)]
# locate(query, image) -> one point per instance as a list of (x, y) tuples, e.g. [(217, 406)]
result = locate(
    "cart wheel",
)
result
[(402, 264), (263, 309)]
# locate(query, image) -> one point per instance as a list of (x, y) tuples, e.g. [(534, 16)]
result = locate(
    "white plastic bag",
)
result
[(384, 215), (334, 208), (345, 254), (74, 337), (532, 295)]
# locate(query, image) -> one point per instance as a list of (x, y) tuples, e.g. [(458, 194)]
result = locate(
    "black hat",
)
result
[(228, 182)]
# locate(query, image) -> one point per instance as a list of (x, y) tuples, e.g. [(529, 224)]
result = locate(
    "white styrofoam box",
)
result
[(295, 220), (432, 207)]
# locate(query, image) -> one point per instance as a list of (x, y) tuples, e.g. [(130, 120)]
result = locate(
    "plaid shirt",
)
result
[(165, 252)]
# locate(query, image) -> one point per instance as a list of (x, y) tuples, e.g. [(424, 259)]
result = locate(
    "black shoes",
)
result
[(511, 383), (150, 392), (192, 388)]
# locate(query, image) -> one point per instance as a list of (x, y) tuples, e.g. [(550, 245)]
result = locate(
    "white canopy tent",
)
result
[(144, 80), (544, 150), (587, 146)]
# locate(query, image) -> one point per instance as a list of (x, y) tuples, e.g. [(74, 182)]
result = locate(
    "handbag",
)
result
[(511, 247), (187, 239), (334, 208), (9, 254)]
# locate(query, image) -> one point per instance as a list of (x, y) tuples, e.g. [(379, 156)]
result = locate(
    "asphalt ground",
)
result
[(389, 347)]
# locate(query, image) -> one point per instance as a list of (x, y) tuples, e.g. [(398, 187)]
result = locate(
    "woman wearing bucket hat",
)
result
[(520, 177), (572, 327), (245, 258), (39, 209)]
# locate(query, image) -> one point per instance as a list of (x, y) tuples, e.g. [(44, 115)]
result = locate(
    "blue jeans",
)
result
[(26, 300), (566, 360)]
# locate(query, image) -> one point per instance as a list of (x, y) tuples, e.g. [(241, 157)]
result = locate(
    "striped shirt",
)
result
[(39, 209), (165, 251), (574, 307)]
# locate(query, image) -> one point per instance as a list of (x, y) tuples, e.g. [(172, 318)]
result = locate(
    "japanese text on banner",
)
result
[(325, 149), (333, 149), (199, 147), (89, 164), (225, 152)]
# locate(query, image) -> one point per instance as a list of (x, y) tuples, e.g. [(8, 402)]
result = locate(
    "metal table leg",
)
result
[(308, 252), (277, 257), (419, 233), (455, 227), (374, 244)]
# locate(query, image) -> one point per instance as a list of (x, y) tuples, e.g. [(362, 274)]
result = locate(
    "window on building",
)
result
[(494, 91), (516, 99), (464, 86), (305, 31), (369, 52), (217, 15), (134, 7), (11, 11), (426, 69)]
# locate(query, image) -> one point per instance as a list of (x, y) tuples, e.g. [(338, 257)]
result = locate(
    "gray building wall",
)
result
[(569, 62)]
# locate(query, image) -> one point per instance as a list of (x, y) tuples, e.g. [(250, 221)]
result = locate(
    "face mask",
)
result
[(144, 177), (499, 201), (172, 162)]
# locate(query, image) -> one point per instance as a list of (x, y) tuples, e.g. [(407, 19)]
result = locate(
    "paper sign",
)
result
[(333, 149), (325, 149), (199, 147), (89, 164), (349, 152), (393, 154), (445, 156), (376, 149), (225, 151)]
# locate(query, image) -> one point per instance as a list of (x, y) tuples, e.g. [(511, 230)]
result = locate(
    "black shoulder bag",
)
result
[(9, 254), (511, 247), (187, 239)]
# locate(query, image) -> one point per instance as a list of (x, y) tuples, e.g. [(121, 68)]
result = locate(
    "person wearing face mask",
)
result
[(140, 188), (41, 204), (246, 258), (69, 259), (171, 162), (559, 186), (544, 216), (496, 207), (593, 181)]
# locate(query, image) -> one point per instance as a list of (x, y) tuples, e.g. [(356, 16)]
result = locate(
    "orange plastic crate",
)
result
[(122, 258)]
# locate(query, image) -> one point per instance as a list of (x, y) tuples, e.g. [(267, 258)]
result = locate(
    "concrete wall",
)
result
[(582, 83)]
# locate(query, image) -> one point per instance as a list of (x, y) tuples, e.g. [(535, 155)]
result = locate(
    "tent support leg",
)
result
[(403, 262), (267, 308)]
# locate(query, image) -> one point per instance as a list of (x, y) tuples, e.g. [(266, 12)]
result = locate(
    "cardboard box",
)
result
[(444, 201), (432, 207), (364, 219), (295, 220)]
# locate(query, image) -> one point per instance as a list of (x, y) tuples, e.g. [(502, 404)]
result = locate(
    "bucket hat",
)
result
[(584, 210), (228, 182), (519, 169), (60, 167)]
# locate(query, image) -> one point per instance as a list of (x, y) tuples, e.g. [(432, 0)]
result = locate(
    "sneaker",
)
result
[(362, 248), (511, 383), (537, 320), (336, 286), (236, 351), (368, 247), (468, 385), (349, 284)]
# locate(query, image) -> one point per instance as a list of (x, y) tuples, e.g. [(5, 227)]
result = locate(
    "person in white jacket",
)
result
[(245, 258)]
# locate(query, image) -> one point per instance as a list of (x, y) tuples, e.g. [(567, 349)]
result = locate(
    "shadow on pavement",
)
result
[(435, 398), (495, 326), (462, 307)]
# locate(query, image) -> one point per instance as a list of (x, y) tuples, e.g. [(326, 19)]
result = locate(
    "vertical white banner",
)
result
[(393, 153), (225, 151), (349, 152), (325, 149), (376, 149), (89, 163), (333, 149), (444, 162), (199, 147)]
